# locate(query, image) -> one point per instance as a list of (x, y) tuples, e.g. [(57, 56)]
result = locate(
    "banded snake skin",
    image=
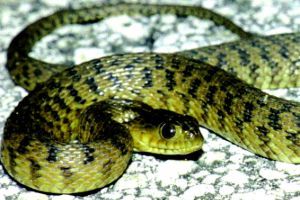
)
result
[(52, 142)]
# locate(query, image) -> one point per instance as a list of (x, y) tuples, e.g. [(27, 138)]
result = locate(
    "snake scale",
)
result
[(78, 126)]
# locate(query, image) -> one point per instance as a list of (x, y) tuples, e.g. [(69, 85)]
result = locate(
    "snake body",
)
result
[(76, 129)]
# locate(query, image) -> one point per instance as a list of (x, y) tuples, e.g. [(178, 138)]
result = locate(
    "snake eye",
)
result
[(167, 131)]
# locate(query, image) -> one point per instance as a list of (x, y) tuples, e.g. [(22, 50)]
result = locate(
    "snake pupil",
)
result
[(168, 131)]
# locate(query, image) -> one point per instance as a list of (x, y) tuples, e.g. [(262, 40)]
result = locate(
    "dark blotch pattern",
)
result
[(171, 83), (147, 77), (88, 152), (195, 84), (274, 119), (52, 153), (249, 107)]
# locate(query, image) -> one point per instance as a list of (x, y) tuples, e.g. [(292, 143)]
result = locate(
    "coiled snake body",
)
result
[(76, 129)]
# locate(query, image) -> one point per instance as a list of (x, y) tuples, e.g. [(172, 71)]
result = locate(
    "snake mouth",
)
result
[(188, 148), (182, 151)]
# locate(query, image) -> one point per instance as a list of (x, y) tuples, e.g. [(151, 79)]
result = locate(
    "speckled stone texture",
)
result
[(224, 171)]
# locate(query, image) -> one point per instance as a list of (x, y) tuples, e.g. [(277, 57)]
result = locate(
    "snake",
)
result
[(77, 128)]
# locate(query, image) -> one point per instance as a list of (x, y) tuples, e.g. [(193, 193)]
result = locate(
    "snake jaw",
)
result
[(162, 148)]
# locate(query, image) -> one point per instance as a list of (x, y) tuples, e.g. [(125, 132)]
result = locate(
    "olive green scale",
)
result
[(76, 129)]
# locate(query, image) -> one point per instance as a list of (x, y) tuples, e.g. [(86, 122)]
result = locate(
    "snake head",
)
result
[(156, 131), (165, 132)]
